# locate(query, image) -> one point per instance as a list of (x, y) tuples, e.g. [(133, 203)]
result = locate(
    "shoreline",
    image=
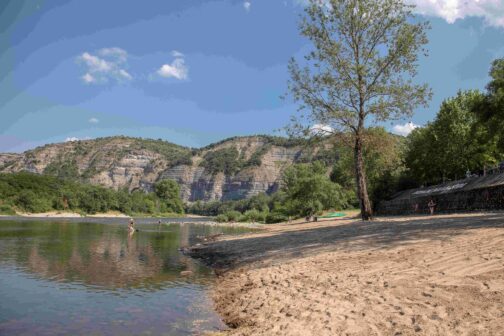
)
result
[(121, 218), (423, 275)]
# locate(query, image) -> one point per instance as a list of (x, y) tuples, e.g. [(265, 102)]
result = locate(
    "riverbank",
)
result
[(119, 218), (440, 275)]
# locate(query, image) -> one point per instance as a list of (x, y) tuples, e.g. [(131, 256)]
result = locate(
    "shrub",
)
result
[(232, 215), (254, 215), (221, 218), (31, 202), (275, 217), (225, 160), (6, 210)]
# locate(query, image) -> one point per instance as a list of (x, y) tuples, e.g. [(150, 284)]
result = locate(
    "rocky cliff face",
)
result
[(232, 169)]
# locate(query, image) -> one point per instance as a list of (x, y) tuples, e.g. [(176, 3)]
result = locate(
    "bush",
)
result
[(254, 216), (222, 218), (232, 215), (31, 202), (275, 217), (6, 210)]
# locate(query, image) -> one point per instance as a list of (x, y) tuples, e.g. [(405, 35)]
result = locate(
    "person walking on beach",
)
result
[(431, 206)]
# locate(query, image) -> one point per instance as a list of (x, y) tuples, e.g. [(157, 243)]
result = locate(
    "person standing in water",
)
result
[(131, 225)]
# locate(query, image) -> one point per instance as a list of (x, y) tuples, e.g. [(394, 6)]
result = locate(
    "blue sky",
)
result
[(192, 72)]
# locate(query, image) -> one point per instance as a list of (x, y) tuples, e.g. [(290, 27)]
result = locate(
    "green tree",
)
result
[(31, 202), (365, 53), (490, 110), (456, 141), (308, 190), (168, 192), (383, 154)]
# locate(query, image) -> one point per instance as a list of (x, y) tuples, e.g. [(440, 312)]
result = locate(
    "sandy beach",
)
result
[(439, 275)]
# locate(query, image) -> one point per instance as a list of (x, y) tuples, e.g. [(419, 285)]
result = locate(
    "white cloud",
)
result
[(247, 5), (319, 129), (405, 129), (70, 139), (177, 54), (124, 74), (88, 78), (451, 10), (94, 121), (102, 69), (120, 55), (177, 69)]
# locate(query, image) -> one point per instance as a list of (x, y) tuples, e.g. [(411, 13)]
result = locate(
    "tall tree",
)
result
[(308, 190), (490, 110), (169, 192), (456, 141), (359, 71)]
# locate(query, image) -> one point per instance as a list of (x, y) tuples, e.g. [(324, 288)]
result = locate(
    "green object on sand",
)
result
[(334, 215)]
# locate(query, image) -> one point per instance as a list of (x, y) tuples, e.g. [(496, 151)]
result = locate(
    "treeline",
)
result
[(27, 192), (465, 137)]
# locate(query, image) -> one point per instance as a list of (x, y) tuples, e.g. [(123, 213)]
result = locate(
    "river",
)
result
[(68, 277)]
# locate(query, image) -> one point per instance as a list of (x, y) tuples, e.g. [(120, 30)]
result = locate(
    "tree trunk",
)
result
[(360, 175)]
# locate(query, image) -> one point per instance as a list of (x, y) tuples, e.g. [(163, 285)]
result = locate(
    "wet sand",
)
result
[(440, 275)]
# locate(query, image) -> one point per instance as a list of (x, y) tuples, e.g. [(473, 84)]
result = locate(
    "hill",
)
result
[(234, 168)]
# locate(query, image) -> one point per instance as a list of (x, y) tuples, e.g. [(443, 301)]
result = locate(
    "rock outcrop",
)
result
[(240, 167)]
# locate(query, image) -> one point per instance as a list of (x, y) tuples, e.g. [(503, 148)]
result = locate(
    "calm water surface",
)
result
[(94, 279)]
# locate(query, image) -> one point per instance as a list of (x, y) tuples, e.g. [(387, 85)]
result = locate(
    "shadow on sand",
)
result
[(351, 235)]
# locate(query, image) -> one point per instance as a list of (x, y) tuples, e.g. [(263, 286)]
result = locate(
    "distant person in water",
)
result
[(131, 225), (431, 205)]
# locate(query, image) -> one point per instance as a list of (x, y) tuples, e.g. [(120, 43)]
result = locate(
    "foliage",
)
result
[(452, 144), (6, 209), (490, 110), (222, 218), (224, 160), (253, 215), (365, 52), (174, 154), (63, 168), (309, 191), (275, 217), (383, 154), (40, 193), (168, 192), (256, 157), (232, 215)]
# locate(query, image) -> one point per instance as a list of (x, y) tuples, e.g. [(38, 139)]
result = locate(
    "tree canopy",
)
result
[(456, 141)]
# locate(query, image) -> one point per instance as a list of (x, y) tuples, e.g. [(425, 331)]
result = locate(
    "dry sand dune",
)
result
[(441, 275)]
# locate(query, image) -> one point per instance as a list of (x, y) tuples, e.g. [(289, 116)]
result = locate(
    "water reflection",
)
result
[(73, 277)]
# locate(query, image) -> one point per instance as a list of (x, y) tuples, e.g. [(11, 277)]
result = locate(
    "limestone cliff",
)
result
[(231, 169)]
